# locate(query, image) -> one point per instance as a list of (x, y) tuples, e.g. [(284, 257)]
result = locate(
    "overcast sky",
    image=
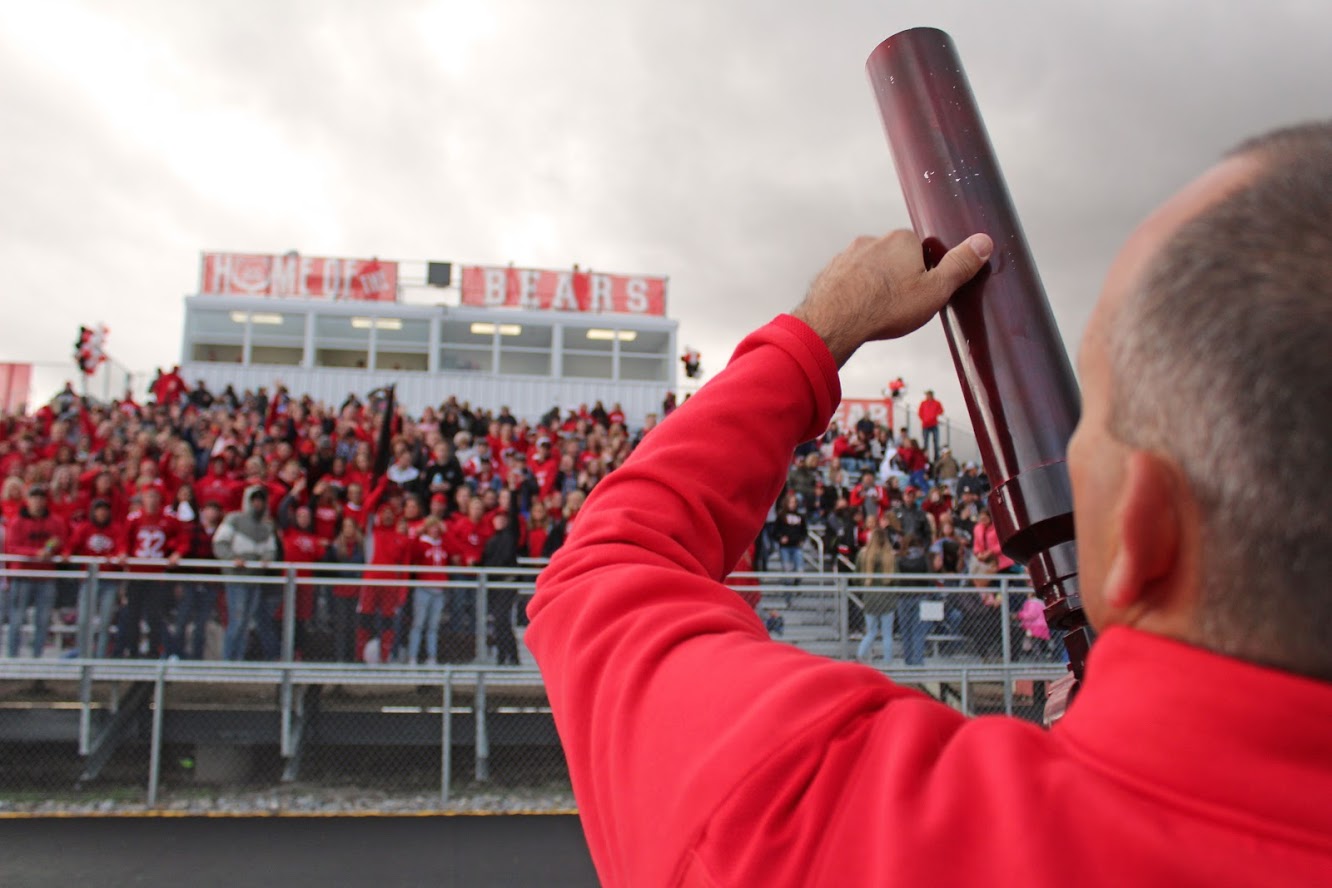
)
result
[(733, 146)]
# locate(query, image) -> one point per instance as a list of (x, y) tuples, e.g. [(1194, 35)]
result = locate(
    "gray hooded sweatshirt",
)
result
[(243, 535)]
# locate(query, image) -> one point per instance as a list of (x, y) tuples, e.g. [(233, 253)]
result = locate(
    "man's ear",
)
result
[(1147, 528)]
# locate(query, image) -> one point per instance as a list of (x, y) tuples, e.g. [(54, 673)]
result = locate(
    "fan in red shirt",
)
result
[(150, 534), (380, 603), (930, 411), (868, 497), (539, 525), (219, 486), (469, 532), (327, 511), (544, 466), (101, 536), (430, 549), (301, 542), (37, 534)]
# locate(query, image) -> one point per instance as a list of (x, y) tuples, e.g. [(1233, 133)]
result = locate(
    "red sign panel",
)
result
[(852, 409), (251, 274), (546, 290), (15, 383)]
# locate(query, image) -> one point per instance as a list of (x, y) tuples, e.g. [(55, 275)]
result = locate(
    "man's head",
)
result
[(37, 499), (1211, 329), (256, 501)]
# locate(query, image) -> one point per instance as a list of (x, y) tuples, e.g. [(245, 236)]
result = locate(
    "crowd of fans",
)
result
[(886, 509), (249, 479)]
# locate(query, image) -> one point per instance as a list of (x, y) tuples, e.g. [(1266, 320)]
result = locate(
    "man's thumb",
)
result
[(961, 263)]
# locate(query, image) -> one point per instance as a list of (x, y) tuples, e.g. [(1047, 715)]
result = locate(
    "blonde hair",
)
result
[(878, 556)]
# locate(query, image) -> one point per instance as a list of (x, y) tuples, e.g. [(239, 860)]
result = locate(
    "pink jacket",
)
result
[(987, 540)]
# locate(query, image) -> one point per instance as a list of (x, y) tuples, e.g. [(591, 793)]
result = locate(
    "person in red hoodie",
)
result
[(430, 549), (219, 486), (467, 532), (301, 543), (102, 537), (1195, 752), (929, 412), (40, 536), (380, 604), (157, 538)]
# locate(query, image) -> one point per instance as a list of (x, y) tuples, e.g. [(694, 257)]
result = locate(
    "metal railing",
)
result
[(956, 636)]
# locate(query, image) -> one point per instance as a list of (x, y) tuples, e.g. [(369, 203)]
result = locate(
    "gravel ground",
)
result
[(300, 800)]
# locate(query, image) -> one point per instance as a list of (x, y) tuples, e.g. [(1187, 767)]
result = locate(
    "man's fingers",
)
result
[(961, 263)]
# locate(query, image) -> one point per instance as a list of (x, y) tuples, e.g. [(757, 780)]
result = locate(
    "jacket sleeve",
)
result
[(690, 735), (222, 538)]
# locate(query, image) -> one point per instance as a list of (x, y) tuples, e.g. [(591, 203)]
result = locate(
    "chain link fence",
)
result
[(298, 688)]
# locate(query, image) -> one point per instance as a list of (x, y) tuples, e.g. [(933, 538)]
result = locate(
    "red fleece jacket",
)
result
[(702, 753)]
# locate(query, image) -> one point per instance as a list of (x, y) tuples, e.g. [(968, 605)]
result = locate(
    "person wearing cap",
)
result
[(249, 535), (439, 507), (972, 481), (911, 518), (946, 470), (38, 535), (101, 537)]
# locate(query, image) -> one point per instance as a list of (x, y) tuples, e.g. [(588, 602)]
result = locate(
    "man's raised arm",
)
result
[(668, 695)]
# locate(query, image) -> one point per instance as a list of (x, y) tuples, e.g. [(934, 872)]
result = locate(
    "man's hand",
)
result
[(879, 288)]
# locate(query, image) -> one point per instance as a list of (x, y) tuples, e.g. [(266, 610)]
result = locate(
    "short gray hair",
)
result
[(1222, 360)]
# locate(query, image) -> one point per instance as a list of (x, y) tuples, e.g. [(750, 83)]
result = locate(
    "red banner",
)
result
[(563, 290), (15, 383), (251, 274), (852, 409)]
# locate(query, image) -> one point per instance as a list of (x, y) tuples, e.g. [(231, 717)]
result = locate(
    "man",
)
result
[(99, 537), (972, 482), (1196, 751), (911, 518), (946, 471), (248, 536), (157, 541), (39, 535), (197, 599), (929, 413), (868, 497)]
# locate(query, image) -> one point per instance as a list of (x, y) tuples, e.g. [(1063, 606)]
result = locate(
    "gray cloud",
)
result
[(733, 146)]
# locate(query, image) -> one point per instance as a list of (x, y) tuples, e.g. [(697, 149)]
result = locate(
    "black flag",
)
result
[(382, 454)]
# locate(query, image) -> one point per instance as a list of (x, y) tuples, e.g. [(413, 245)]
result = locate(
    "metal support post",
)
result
[(155, 757), (289, 617), (87, 612), (482, 611), (843, 616), (1006, 632), (966, 692), (85, 710), (446, 743), (284, 695), (482, 741)]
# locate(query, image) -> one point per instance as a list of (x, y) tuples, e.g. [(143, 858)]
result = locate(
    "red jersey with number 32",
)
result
[(153, 536)]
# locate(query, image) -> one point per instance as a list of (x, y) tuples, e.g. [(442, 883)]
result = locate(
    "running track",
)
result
[(295, 852)]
